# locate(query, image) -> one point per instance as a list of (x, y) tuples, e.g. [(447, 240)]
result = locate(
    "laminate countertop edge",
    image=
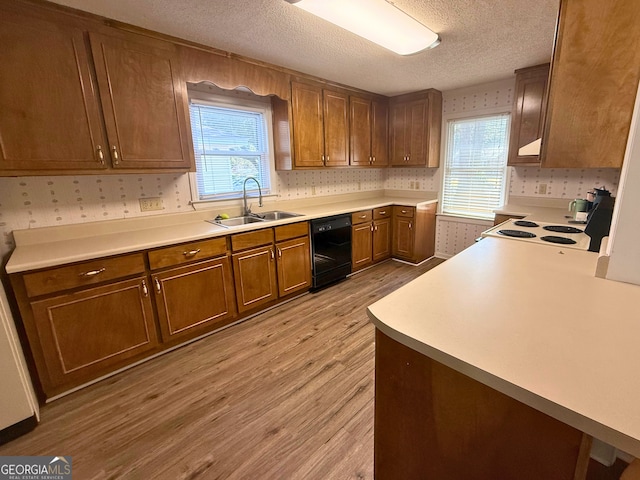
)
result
[(568, 360)]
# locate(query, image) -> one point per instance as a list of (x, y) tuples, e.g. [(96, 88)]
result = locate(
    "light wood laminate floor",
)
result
[(287, 394)]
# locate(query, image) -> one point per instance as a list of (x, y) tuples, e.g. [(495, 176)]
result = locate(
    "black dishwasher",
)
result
[(331, 249)]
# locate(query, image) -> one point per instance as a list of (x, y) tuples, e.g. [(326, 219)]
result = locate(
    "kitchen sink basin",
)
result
[(235, 221), (277, 215), (254, 218)]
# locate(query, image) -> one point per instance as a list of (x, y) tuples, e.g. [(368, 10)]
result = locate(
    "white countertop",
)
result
[(51, 246), (534, 323)]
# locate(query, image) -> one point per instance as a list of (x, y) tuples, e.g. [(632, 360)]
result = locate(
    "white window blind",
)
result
[(230, 144), (475, 166)]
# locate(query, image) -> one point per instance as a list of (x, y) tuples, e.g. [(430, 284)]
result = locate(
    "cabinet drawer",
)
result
[(400, 211), (293, 230), (382, 212), (187, 252), (83, 274), (361, 217), (241, 241)]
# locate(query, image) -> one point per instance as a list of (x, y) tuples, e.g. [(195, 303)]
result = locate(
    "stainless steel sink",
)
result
[(235, 221), (277, 215), (254, 218)]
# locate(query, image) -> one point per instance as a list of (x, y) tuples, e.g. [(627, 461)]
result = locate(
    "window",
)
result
[(475, 166), (230, 144)]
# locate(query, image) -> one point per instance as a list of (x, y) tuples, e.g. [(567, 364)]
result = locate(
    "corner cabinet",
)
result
[(86, 320), (593, 84), (527, 115), (414, 130), (118, 101), (320, 126), (414, 232)]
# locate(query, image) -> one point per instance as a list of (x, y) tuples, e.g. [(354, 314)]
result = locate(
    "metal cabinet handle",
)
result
[(374, 159), (404, 211), (145, 290), (324, 162), (372, 227), (363, 216), (191, 253), (100, 154), (92, 273), (158, 287), (410, 226), (384, 212), (279, 253), (375, 228), (114, 152), (272, 255)]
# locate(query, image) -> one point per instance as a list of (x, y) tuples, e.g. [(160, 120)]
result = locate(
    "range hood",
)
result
[(532, 148)]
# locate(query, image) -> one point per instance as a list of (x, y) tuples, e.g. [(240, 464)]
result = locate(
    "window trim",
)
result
[(469, 115), (216, 100)]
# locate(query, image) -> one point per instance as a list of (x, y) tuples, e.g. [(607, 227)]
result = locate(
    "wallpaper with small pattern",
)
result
[(31, 202)]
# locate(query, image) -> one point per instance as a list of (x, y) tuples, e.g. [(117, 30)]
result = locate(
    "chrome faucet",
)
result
[(247, 209)]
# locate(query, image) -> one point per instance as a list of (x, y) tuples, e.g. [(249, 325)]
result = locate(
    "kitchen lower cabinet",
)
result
[(361, 245), (381, 244), (194, 299), (414, 232), (294, 265), (79, 336), (255, 278)]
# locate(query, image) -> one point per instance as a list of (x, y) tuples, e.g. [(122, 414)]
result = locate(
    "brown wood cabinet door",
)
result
[(380, 133), (417, 132), (50, 115), (255, 277), (294, 265), (527, 116), (403, 237), (381, 239), (336, 129), (194, 299), (89, 333), (360, 131), (308, 136), (361, 246), (398, 134), (593, 85), (143, 102)]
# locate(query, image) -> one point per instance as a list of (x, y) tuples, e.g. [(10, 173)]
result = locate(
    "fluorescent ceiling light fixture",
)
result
[(376, 20)]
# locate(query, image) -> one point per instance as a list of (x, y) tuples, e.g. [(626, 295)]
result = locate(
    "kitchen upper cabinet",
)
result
[(50, 118), (368, 131), (414, 131), (143, 101), (77, 97), (527, 115), (414, 232), (320, 126), (593, 84)]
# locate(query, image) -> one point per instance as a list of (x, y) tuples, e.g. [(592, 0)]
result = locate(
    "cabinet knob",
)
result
[(114, 153)]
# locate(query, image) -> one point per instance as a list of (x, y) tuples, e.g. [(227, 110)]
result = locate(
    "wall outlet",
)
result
[(542, 189), (412, 185), (151, 203)]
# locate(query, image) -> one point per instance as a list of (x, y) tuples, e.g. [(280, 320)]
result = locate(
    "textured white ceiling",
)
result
[(482, 40)]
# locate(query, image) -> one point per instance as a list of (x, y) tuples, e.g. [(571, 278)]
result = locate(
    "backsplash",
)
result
[(561, 182)]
